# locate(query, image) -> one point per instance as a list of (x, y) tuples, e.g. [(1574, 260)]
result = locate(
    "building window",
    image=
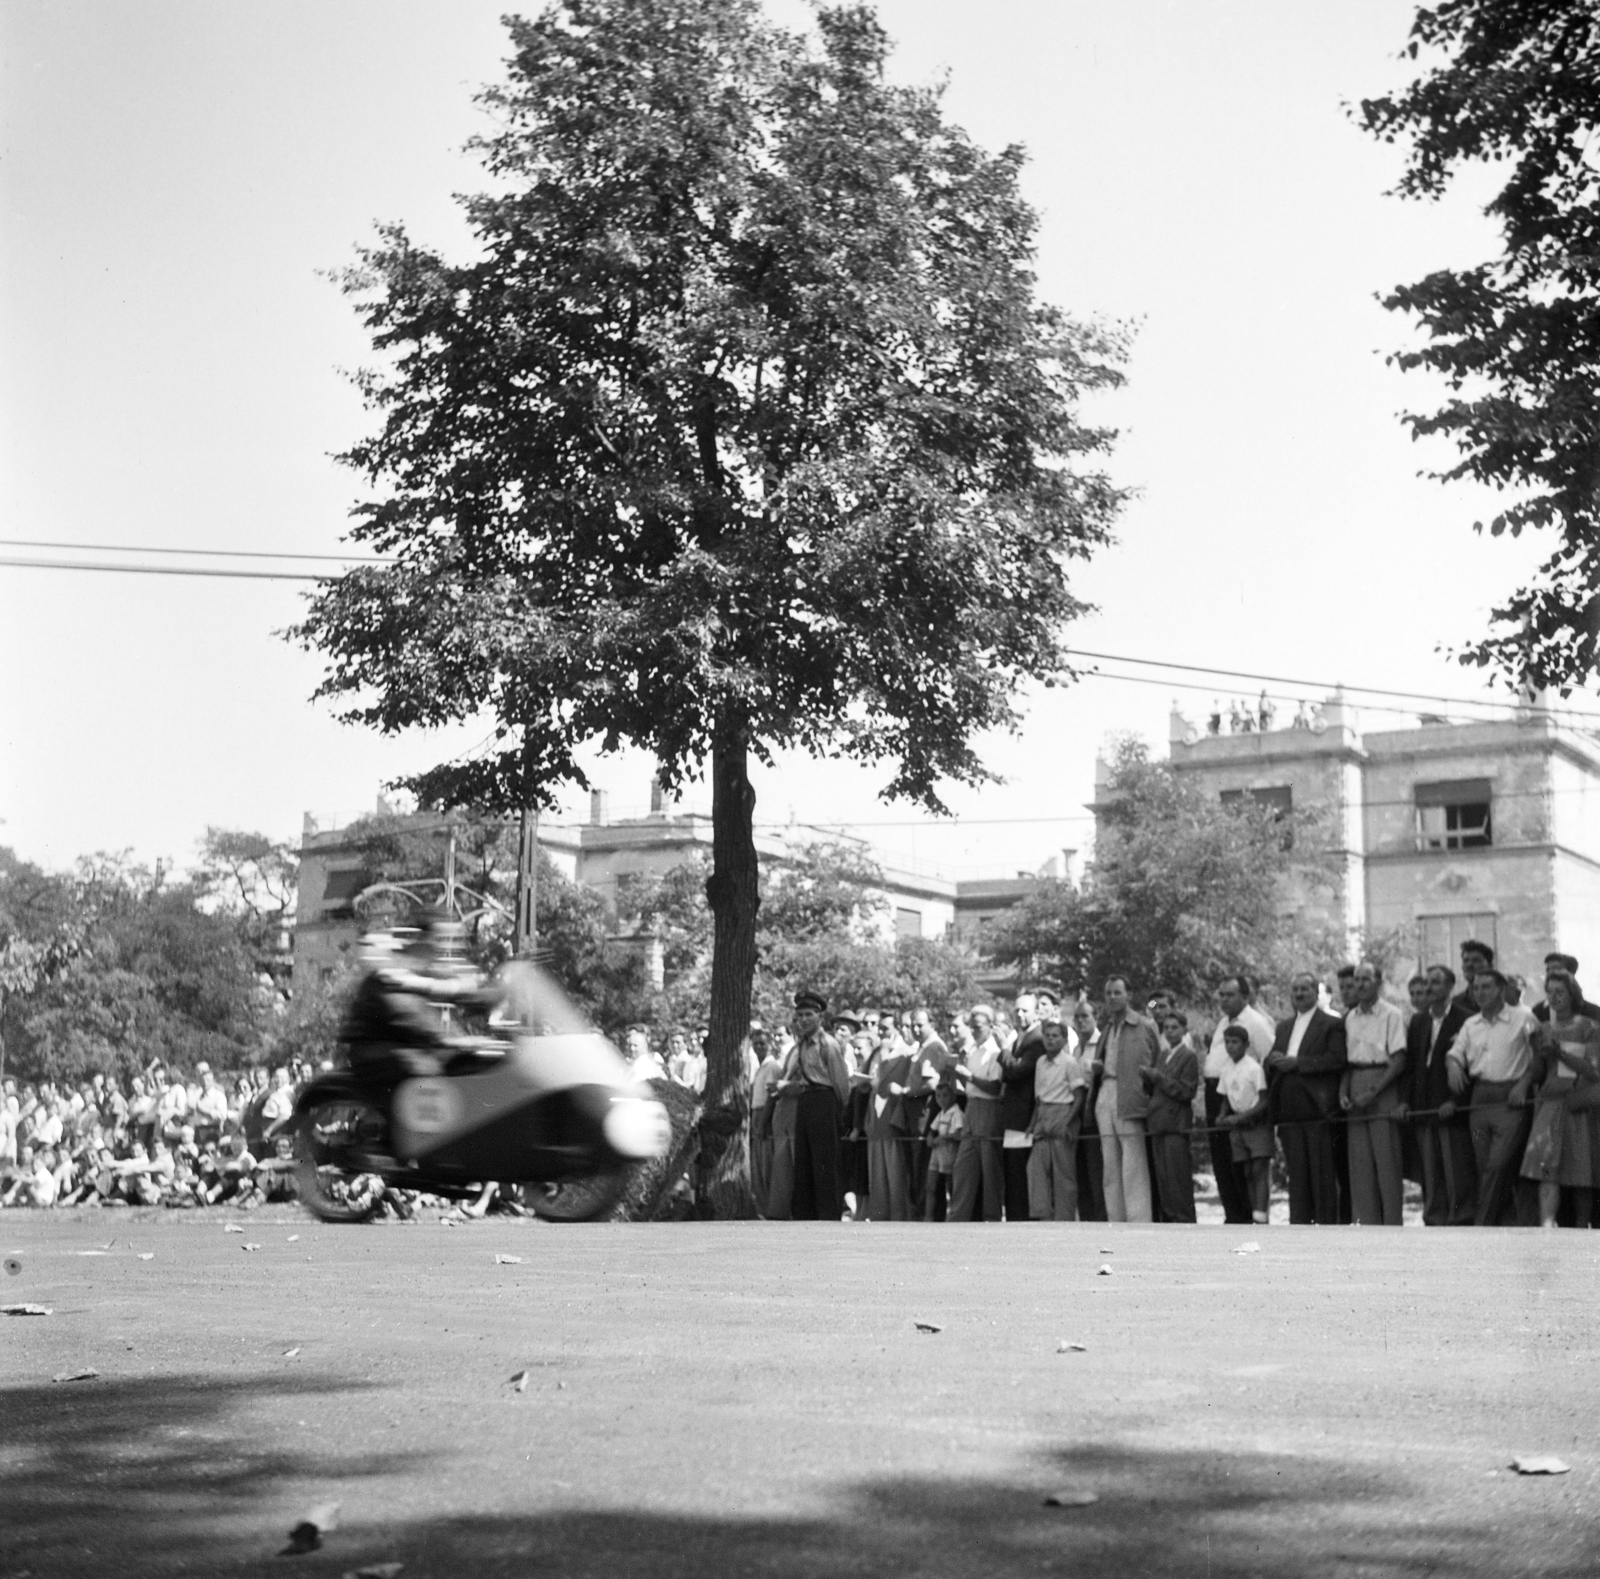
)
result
[(1439, 938), (1453, 815), (907, 923), (1276, 798)]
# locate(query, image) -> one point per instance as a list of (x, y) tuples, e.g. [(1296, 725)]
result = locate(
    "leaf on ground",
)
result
[(86, 1374), (1105, 1252), (248, 1246), (928, 1326), (1249, 1248), (26, 1310), (289, 1354), (307, 1535), (13, 1265), (291, 1239), (1071, 1499), (520, 1381), (373, 1571), (508, 1260), (233, 1228), (1067, 1347), (147, 1255), (1104, 1271), (1540, 1464)]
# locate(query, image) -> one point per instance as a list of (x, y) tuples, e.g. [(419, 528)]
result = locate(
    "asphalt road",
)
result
[(756, 1399)]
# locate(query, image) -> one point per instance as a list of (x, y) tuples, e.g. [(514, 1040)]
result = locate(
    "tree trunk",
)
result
[(734, 898)]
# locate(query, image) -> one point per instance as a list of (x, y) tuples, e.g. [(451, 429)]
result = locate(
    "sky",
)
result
[(177, 179)]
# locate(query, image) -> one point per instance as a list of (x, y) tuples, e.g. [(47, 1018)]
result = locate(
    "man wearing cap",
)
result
[(817, 1084)]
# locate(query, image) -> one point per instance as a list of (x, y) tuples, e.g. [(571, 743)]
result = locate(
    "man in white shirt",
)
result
[(1493, 1057), (978, 1165), (1234, 1000), (1369, 1093)]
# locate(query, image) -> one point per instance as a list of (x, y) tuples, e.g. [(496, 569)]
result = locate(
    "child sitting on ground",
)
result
[(1244, 1084)]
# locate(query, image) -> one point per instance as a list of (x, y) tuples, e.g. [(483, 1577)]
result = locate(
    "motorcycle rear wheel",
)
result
[(330, 1185), (577, 1200)]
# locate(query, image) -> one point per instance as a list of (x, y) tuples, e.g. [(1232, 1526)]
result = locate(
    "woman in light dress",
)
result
[(1561, 1151)]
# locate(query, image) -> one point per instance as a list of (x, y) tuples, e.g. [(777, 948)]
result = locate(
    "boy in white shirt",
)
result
[(1244, 1085)]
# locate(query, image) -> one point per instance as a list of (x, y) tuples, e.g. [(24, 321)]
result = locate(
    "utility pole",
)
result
[(526, 937)]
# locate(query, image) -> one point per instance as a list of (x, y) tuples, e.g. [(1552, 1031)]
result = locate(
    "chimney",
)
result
[(599, 808)]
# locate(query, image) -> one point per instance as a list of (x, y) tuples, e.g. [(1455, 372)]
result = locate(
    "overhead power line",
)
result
[(199, 553), (163, 570)]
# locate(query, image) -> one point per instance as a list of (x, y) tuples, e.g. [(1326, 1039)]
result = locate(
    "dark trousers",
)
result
[(1014, 1165), (935, 1194), (1232, 1187), (1091, 1174), (888, 1174), (1499, 1134), (816, 1155), (979, 1174), (1449, 1173), (1306, 1136), (1172, 1171), (918, 1152)]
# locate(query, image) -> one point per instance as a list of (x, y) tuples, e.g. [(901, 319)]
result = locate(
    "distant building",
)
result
[(1441, 832), (604, 850)]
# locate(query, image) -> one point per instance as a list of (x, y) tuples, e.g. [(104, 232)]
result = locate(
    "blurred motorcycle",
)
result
[(543, 1102)]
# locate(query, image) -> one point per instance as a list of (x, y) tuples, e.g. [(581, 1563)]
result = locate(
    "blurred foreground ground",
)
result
[(757, 1399)]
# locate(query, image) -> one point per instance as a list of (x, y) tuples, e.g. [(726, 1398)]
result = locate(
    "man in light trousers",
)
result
[(1127, 1044)]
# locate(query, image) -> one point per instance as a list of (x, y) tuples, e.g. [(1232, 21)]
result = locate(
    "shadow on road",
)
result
[(146, 1478)]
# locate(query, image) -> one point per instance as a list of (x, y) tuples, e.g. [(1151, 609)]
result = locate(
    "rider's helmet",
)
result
[(446, 936)]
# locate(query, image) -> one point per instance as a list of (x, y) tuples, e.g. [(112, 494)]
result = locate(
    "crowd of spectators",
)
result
[(160, 1140), (1101, 1109)]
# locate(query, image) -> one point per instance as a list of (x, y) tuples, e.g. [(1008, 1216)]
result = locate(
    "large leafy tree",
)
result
[(1183, 891), (252, 879), (743, 431), (1516, 83)]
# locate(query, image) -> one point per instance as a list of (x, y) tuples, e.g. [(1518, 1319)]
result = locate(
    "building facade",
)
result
[(1439, 832)]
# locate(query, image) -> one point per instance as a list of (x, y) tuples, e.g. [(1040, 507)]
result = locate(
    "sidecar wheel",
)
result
[(324, 1139), (576, 1200)]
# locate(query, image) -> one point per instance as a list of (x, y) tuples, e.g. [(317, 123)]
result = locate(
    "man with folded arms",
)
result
[(1449, 1173), (1369, 1093), (1491, 1061), (1303, 1073)]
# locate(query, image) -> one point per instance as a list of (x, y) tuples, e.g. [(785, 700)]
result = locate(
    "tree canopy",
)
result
[(1183, 891), (1517, 337)]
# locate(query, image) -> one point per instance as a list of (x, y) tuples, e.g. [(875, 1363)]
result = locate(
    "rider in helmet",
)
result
[(396, 1026)]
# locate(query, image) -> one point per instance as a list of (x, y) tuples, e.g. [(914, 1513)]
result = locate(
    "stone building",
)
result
[(1441, 831)]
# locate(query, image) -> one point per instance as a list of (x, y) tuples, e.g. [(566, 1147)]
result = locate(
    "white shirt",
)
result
[(1298, 1034), (1242, 1083), (1261, 1030), (1374, 1035)]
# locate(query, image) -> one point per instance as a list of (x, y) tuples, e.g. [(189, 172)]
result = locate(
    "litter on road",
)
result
[(233, 1228), (373, 1571), (147, 1255), (26, 1310), (1249, 1248), (87, 1374), (1066, 1347), (1540, 1464), (520, 1381), (1104, 1271), (1071, 1499), (249, 1247), (508, 1260), (307, 1535), (927, 1326), (289, 1354)]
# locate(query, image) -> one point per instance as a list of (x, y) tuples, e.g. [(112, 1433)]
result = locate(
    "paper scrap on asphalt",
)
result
[(520, 1381), (1540, 1464), (373, 1571), (147, 1255), (291, 1239), (1249, 1248), (248, 1246), (26, 1310), (1104, 1271), (1071, 1499), (89, 1252), (233, 1228), (289, 1354), (928, 1326), (1066, 1347), (86, 1374), (508, 1260), (1105, 1252)]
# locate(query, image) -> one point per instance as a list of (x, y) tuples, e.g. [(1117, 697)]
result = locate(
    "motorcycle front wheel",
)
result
[(577, 1200), (331, 1185)]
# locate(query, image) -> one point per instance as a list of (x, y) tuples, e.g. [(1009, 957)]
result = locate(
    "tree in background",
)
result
[(1517, 338), (253, 879), (1183, 891), (743, 432)]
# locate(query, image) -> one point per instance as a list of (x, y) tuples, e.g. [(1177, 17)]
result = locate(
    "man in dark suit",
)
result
[(1303, 1070), (1449, 1170)]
